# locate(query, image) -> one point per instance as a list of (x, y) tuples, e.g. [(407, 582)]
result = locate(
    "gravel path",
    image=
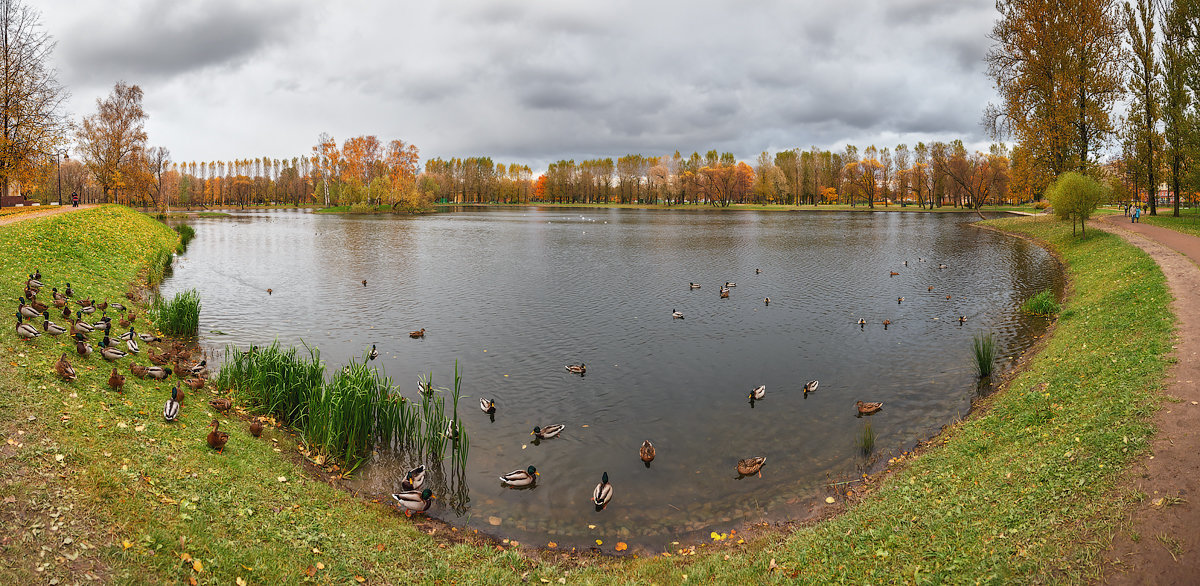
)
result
[(41, 213)]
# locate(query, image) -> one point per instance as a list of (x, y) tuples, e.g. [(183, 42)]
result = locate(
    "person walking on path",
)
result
[(74, 199), (1137, 213)]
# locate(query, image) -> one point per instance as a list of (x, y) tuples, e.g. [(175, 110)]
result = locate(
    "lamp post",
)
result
[(58, 162)]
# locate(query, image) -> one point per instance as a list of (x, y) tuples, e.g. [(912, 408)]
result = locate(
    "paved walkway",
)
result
[(1167, 521), (43, 211)]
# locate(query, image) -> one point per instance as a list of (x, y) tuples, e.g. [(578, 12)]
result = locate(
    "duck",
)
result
[(413, 479), (102, 306), (159, 359), (216, 437), (693, 285), (886, 323), (195, 384), (37, 274), (547, 432), (158, 372), (364, 282), (79, 326), (868, 408), (270, 291), (931, 287), (223, 404), (947, 298), (116, 306), (758, 271), (373, 354), (171, 408), (26, 331), (64, 368), (148, 337), (647, 451), (519, 478), (199, 368), (132, 345), (66, 313), (59, 299), (893, 273), (942, 266), (417, 333), (766, 301), (580, 368), (109, 353), (862, 322), (87, 310), (82, 347), (116, 380), (899, 300), (487, 405), (67, 292), (602, 493), (758, 393), (962, 319), (724, 293), (412, 501), (27, 311), (137, 369), (256, 427), (37, 305), (676, 314), (751, 466), (810, 386), (128, 335), (905, 263), (451, 432), (729, 284)]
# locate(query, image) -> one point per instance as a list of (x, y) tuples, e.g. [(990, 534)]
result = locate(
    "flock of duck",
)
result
[(169, 359)]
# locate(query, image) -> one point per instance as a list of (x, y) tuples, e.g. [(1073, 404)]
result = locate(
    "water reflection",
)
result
[(514, 295)]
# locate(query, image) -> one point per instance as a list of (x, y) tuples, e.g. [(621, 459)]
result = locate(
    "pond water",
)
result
[(514, 295)]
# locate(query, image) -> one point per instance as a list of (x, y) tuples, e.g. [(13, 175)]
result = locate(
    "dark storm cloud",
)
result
[(168, 39)]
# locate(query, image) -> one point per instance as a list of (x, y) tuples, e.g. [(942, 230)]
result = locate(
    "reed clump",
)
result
[(178, 317), (983, 347), (346, 416), (1043, 303), (866, 439), (186, 234)]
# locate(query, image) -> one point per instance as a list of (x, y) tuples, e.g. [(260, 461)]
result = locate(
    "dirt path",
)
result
[(1163, 544), (41, 213)]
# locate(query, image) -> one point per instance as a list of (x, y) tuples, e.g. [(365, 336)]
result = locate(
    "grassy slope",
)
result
[(1024, 492), (1188, 221)]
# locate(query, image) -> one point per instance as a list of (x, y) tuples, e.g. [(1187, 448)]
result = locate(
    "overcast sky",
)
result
[(532, 81)]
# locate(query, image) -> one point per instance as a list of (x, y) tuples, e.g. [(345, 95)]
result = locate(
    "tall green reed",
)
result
[(178, 317), (983, 348)]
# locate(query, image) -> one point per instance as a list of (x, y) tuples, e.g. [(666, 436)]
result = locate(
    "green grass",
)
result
[(180, 316), (983, 349), (866, 439), (1188, 221), (749, 207), (1042, 303), (186, 234), (1025, 490)]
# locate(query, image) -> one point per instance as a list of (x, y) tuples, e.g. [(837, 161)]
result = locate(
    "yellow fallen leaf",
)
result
[(622, 546), (598, 542), (125, 544), (830, 500), (196, 565), (240, 581), (320, 566), (552, 545), (360, 579), (187, 557)]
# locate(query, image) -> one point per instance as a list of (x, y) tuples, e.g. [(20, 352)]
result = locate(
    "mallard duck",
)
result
[(82, 347), (868, 408), (116, 380), (116, 306), (137, 369), (128, 335), (364, 282), (947, 298), (148, 337), (417, 334), (766, 301), (199, 368), (931, 287), (757, 271), (647, 451), (519, 478), (603, 492), (26, 331), (693, 285), (102, 306), (412, 501), (159, 359), (66, 313), (37, 274), (256, 427), (104, 324), (810, 386), (451, 432), (87, 310), (724, 293), (79, 326), (758, 393), (59, 299), (38, 305), (109, 353), (34, 282), (676, 314), (223, 404), (216, 437), (487, 405), (171, 409), (50, 327), (899, 300), (886, 323), (195, 383), (158, 372), (729, 284), (905, 263), (547, 432), (862, 322), (751, 466), (373, 354), (67, 292), (942, 266), (580, 368), (27, 311), (962, 319), (413, 479), (132, 345), (64, 368), (270, 291)]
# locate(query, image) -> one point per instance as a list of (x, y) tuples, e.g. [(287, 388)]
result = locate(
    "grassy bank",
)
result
[(1188, 221), (1024, 491), (752, 207)]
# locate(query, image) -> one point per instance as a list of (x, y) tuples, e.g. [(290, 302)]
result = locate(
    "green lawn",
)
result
[(1188, 221), (1024, 491)]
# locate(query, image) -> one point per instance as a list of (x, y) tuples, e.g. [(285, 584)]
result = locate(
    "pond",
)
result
[(515, 295)]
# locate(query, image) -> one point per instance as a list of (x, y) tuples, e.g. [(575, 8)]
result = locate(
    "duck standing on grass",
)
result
[(171, 409), (116, 380), (64, 368), (256, 427), (216, 437), (26, 331), (414, 502)]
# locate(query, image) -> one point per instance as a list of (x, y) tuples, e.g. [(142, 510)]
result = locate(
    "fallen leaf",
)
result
[(622, 546), (320, 566), (552, 545), (282, 479), (310, 571), (125, 544), (379, 547), (830, 500), (240, 581), (598, 542), (359, 579), (196, 565)]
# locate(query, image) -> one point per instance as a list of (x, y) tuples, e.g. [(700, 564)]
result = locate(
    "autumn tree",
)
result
[(1074, 197), (1057, 68), (1180, 60), (32, 125), (1146, 91), (112, 140)]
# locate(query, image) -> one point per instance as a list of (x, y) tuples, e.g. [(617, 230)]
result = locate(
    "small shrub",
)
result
[(1041, 205), (1041, 304), (362, 208), (1075, 196), (984, 347), (180, 316)]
